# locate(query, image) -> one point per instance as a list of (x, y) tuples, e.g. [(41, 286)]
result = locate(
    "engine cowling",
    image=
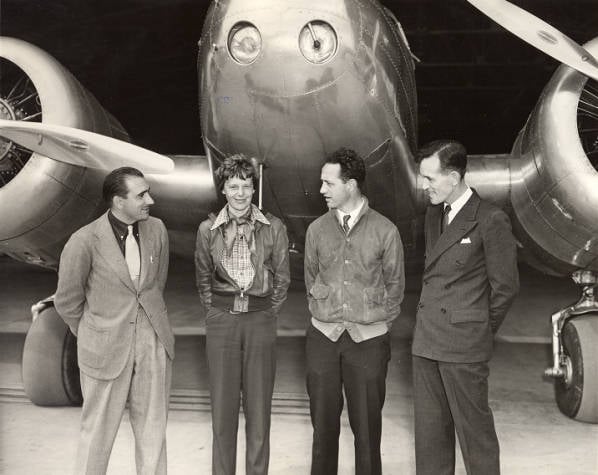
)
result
[(43, 201), (554, 181)]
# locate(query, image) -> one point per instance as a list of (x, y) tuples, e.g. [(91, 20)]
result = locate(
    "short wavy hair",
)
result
[(352, 165), (451, 154), (237, 166), (115, 183)]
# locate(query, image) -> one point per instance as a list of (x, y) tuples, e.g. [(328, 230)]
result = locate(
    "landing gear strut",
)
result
[(575, 353)]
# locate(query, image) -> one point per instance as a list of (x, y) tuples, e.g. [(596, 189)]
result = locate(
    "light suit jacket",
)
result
[(470, 280), (98, 300)]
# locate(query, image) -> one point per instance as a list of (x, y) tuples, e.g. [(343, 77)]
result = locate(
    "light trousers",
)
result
[(145, 381)]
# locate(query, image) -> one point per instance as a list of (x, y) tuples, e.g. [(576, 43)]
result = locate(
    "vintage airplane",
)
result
[(288, 82)]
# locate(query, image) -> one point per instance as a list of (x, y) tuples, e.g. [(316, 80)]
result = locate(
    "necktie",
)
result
[(346, 223), (236, 228), (445, 218), (132, 254)]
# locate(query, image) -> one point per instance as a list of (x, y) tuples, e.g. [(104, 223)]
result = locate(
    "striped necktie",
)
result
[(346, 219)]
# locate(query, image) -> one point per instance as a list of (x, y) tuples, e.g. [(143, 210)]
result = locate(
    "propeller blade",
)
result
[(540, 34), (83, 148)]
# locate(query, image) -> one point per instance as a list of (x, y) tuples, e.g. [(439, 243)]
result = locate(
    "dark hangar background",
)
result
[(476, 82)]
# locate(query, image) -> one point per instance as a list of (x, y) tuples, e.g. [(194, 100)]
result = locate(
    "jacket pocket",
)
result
[(318, 303), (320, 291), (374, 304), (374, 295), (469, 316), (92, 345)]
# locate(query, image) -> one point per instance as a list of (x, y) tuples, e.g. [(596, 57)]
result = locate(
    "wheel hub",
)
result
[(567, 371)]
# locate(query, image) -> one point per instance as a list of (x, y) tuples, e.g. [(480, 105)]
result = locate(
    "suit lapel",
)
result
[(463, 223), (433, 226), (146, 250), (108, 247)]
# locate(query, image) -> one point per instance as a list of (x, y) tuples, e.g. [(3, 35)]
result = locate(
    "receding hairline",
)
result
[(437, 157), (451, 156)]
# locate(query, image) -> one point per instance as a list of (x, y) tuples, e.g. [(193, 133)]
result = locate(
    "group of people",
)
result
[(113, 271)]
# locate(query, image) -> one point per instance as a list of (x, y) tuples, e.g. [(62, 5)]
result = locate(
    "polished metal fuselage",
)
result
[(290, 113)]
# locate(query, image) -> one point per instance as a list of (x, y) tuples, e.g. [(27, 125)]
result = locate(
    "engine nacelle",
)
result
[(554, 185), (40, 195)]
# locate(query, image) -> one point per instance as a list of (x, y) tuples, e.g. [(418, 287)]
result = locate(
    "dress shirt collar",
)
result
[(353, 214), (458, 204), (120, 228), (224, 217)]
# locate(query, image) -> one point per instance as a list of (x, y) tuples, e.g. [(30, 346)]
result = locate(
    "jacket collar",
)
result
[(333, 213), (223, 217), (464, 222), (108, 247)]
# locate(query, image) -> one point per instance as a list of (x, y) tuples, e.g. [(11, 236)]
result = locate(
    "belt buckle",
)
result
[(241, 303)]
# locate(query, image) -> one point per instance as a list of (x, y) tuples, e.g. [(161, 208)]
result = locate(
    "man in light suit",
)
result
[(111, 280), (469, 282)]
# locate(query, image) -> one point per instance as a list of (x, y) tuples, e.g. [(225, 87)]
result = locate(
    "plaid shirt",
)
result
[(236, 256)]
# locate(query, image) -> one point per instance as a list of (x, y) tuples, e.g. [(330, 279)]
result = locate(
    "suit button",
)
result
[(443, 310)]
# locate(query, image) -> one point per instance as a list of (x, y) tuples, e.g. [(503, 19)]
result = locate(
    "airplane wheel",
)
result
[(50, 370), (577, 392)]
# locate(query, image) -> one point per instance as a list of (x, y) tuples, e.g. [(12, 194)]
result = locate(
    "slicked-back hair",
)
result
[(451, 154), (352, 165), (115, 183), (237, 166)]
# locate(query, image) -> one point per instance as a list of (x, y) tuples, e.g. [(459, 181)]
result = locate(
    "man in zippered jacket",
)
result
[(355, 281), (242, 270)]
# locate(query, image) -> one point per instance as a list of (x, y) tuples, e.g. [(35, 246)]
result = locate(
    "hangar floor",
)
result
[(534, 436)]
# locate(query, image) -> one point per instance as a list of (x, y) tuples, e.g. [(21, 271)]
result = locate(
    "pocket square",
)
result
[(466, 241)]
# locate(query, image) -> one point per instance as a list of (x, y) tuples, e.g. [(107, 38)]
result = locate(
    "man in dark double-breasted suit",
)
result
[(469, 282)]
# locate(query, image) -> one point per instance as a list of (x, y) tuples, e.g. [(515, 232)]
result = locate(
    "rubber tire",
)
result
[(50, 369), (579, 400)]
